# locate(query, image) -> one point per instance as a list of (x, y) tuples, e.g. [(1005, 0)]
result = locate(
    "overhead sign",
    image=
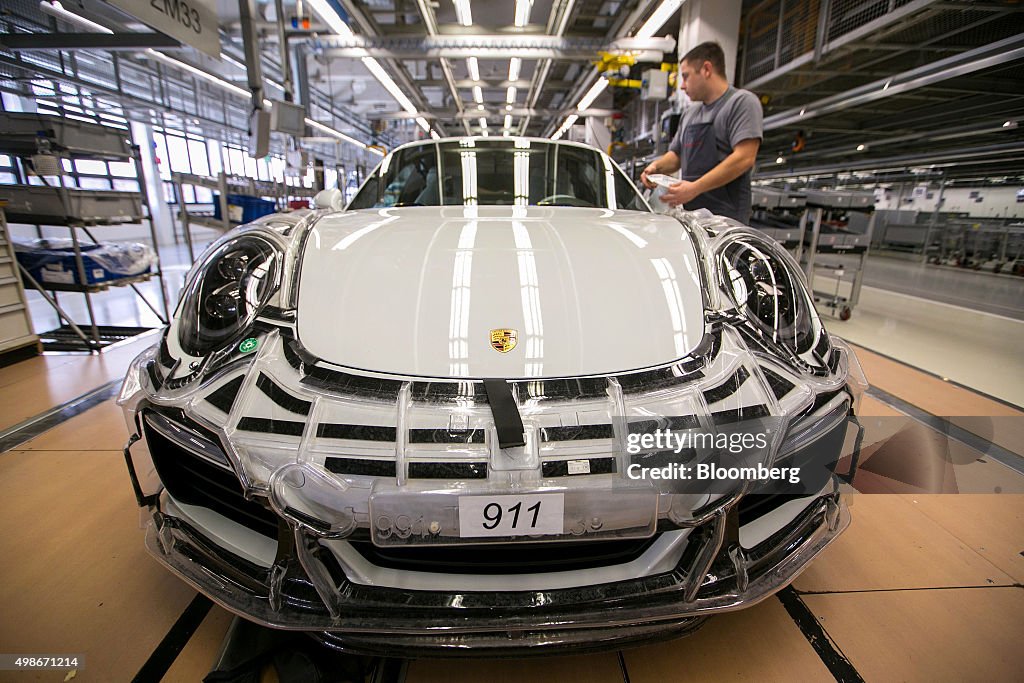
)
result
[(193, 22)]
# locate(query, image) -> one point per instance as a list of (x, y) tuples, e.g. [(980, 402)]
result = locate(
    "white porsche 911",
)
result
[(490, 407)]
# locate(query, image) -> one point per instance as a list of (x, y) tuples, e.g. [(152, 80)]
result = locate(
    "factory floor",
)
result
[(923, 586)]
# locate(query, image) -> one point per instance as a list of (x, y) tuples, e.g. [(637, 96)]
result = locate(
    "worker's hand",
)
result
[(682, 192), (650, 170)]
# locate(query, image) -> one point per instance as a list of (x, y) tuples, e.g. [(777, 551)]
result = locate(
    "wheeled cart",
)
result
[(838, 241)]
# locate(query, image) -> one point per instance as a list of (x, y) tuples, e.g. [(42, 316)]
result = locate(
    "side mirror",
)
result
[(329, 199)]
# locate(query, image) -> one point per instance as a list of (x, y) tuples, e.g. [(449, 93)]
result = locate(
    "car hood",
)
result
[(419, 291)]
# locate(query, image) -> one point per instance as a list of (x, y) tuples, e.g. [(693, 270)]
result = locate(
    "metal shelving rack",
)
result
[(780, 214), (27, 135), (840, 245), (16, 334), (224, 184)]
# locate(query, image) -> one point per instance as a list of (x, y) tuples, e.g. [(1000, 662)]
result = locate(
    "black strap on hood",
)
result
[(507, 420)]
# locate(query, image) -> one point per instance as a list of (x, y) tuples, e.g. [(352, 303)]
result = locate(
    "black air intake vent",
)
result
[(194, 480)]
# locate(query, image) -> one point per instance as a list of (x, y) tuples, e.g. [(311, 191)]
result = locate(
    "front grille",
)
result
[(195, 480), (508, 558)]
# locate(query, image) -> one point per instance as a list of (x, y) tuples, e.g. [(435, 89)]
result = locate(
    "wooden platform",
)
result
[(922, 587)]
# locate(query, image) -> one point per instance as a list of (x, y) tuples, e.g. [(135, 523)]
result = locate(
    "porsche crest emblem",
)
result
[(503, 340)]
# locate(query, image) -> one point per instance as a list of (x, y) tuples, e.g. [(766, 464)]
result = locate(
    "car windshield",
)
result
[(475, 172)]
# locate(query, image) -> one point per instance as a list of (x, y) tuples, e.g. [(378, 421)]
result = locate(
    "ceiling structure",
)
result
[(888, 88), (904, 87)]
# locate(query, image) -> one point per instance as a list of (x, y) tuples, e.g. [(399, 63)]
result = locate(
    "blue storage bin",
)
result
[(243, 208)]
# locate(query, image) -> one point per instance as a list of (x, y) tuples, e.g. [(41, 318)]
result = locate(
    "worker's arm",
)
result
[(667, 163), (733, 166)]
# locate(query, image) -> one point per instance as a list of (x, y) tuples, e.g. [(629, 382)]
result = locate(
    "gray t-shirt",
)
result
[(737, 117)]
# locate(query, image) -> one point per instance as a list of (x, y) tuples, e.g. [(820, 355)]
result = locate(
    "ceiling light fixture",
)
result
[(566, 125), (592, 94), (330, 17), (523, 12), (508, 121), (55, 9), (658, 18), (209, 78), (565, 18), (514, 65), (510, 95), (422, 122), (483, 123), (780, 160), (474, 68), (463, 13), (433, 134), (341, 136), (1010, 124), (378, 72), (478, 94), (861, 147)]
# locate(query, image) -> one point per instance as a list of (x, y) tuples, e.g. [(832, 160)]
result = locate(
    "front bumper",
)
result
[(222, 442), (302, 591)]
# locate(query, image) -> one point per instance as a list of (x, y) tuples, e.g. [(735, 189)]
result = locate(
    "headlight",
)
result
[(761, 282), (230, 287)]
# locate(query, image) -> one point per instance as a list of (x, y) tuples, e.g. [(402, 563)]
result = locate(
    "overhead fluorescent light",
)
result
[(378, 72), (483, 123), (341, 136), (474, 68), (480, 107), (423, 124), (780, 160), (225, 57), (565, 18), (861, 147), (510, 95), (599, 85), (478, 94), (55, 9), (523, 12), (566, 125), (463, 13), (514, 65), (199, 73), (658, 19), (330, 17), (433, 134), (234, 62), (508, 121)]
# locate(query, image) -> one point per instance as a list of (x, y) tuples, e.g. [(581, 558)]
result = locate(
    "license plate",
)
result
[(482, 516)]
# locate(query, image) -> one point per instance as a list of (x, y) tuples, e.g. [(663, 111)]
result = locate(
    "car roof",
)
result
[(494, 138)]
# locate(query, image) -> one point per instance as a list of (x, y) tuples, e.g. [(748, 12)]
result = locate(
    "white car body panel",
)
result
[(417, 290)]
